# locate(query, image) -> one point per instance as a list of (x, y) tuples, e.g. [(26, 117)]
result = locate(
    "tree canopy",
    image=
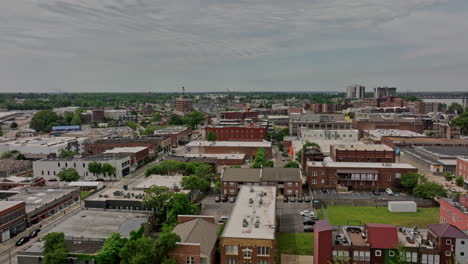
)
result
[(68, 175), (462, 122), (55, 250), (44, 120), (429, 190), (211, 136), (410, 180), (291, 164)]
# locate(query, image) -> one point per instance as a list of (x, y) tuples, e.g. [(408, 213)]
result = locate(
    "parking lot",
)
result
[(210, 207), (332, 194), (289, 220)]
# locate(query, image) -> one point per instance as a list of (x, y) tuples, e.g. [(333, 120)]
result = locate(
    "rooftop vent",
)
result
[(245, 223), (251, 189), (250, 201), (257, 224), (260, 201)]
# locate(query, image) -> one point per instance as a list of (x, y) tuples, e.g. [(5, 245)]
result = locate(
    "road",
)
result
[(280, 161)]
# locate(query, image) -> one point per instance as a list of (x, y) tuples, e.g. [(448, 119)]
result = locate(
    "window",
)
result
[(448, 253), (263, 262), (231, 184), (391, 253), (314, 173), (231, 261), (389, 178), (231, 250), (263, 251), (397, 175), (289, 184), (190, 260), (314, 181), (448, 242), (247, 253), (378, 253), (462, 242)]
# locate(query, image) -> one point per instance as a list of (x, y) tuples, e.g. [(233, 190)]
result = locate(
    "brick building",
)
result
[(249, 234), (155, 144), (183, 105), (14, 181), (327, 108), (229, 147), (288, 181), (237, 133), (355, 175), (362, 153), (198, 236), (412, 124), (383, 243), (311, 154), (178, 134), (454, 212), (462, 170), (11, 167), (139, 155), (12, 219), (317, 122), (394, 141), (242, 115)]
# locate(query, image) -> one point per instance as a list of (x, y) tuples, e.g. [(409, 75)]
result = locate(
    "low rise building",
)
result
[(454, 212), (238, 133), (198, 237), (355, 175), (242, 115), (288, 181), (172, 182), (13, 167), (383, 243), (178, 134), (435, 159), (12, 219), (14, 181), (317, 122), (229, 147), (50, 168), (35, 148), (139, 155), (394, 142), (28, 132), (311, 135), (362, 153), (462, 170), (371, 121), (117, 199), (249, 234), (87, 186), (155, 144), (375, 136), (221, 159)]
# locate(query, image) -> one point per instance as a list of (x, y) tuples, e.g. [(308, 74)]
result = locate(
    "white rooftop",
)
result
[(126, 150), (379, 133), (160, 180), (85, 184), (363, 147), (244, 215), (360, 165), (218, 156), (257, 144), (7, 204)]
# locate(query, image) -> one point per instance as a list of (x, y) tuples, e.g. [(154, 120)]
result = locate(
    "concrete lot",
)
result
[(333, 195), (209, 207), (289, 220)]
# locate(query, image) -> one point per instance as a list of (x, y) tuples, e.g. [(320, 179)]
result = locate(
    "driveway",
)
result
[(289, 220)]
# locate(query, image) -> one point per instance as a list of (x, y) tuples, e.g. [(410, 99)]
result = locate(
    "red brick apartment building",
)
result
[(238, 115), (378, 244), (288, 181), (12, 219), (356, 175), (198, 236), (237, 133), (362, 153), (462, 169), (454, 212), (101, 145), (249, 234)]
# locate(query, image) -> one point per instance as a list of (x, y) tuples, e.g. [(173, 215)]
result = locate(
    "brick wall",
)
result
[(184, 251), (185, 218), (452, 215), (362, 155), (252, 244), (237, 133), (248, 151)]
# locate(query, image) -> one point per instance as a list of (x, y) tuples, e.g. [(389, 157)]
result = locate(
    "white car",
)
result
[(306, 213), (223, 219)]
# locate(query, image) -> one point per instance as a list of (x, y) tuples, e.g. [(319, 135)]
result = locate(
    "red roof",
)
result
[(382, 236)]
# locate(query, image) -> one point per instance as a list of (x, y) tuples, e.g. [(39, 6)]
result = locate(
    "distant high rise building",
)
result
[(380, 92), (355, 91), (183, 104)]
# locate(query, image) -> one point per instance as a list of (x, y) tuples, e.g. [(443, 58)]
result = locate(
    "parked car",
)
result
[(100, 180), (53, 180), (309, 228), (285, 199), (307, 199), (34, 233), (311, 217), (217, 199), (389, 191), (223, 219), (232, 199), (309, 222), (300, 199), (224, 199), (305, 212), (292, 199), (22, 241)]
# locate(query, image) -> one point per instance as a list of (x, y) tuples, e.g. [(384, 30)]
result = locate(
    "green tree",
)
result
[(448, 176), (462, 122), (139, 251), (175, 120), (179, 204), (132, 125), (211, 136), (13, 125), (21, 157), (110, 250), (68, 116), (156, 117), (44, 120), (455, 108), (429, 190), (67, 153), (157, 197), (410, 180), (7, 155), (291, 164), (193, 119), (55, 250), (269, 164), (107, 169), (204, 170), (307, 144), (217, 185), (459, 181), (95, 168), (165, 243), (194, 183), (76, 121), (68, 175)]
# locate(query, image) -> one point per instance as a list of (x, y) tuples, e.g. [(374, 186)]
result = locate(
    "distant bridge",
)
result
[(437, 95)]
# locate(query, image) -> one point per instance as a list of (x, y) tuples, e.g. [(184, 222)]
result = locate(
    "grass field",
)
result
[(84, 194), (295, 243), (341, 215)]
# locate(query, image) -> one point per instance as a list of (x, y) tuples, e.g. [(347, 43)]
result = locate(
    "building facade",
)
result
[(317, 122), (454, 212), (355, 91), (12, 219), (155, 144), (362, 153), (237, 133), (183, 105), (380, 92)]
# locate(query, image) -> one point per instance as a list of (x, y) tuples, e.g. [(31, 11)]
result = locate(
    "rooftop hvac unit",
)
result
[(257, 224), (250, 201), (245, 223)]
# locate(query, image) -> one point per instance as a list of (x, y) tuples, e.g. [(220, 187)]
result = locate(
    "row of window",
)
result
[(410, 256), (11, 216), (247, 252), (360, 159), (234, 261)]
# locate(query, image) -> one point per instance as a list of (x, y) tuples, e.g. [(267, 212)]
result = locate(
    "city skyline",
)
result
[(214, 45)]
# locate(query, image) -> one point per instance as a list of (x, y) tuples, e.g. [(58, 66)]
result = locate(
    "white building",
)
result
[(115, 114), (49, 168), (42, 147), (355, 91), (350, 135)]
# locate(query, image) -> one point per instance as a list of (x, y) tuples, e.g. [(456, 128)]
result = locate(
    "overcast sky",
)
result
[(240, 45)]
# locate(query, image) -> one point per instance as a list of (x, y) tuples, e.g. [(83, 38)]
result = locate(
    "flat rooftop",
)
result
[(253, 215), (447, 151), (35, 197), (217, 156), (160, 180), (126, 150), (7, 204), (379, 133), (427, 140), (362, 147), (256, 144), (360, 165), (100, 223)]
